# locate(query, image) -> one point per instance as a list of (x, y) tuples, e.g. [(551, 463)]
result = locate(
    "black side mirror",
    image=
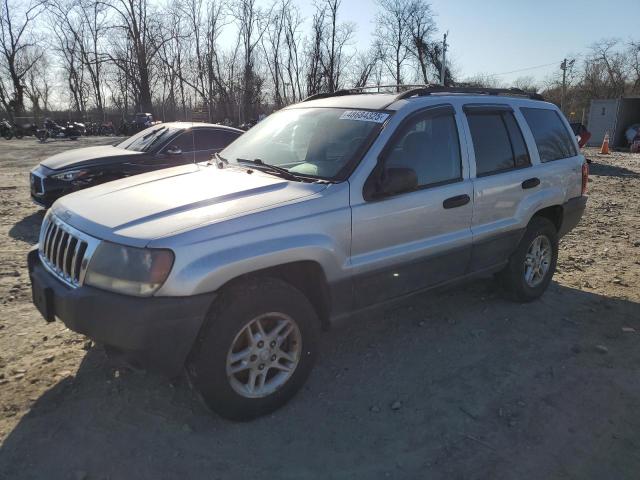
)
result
[(397, 180)]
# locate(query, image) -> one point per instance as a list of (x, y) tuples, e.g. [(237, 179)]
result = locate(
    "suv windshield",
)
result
[(316, 142), (142, 141)]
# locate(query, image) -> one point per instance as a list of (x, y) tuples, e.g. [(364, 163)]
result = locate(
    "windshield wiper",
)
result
[(155, 139), (273, 169), (153, 132)]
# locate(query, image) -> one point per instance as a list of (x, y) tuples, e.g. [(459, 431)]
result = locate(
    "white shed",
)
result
[(613, 115)]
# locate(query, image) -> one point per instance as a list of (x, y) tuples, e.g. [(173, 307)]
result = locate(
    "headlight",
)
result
[(70, 175), (129, 270)]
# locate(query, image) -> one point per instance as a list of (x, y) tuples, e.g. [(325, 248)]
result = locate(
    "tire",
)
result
[(19, 136), (270, 302), (513, 277), (7, 135)]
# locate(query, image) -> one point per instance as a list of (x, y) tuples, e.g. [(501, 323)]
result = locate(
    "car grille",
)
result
[(65, 250), (37, 184)]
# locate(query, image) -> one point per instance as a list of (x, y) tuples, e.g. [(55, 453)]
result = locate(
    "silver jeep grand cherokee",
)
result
[(331, 206)]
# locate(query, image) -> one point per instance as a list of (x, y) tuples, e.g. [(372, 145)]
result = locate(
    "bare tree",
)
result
[(421, 26), (633, 59), (604, 70), (528, 84), (16, 50), (93, 20), (392, 30), (315, 75), (37, 84), (482, 80), (293, 22), (251, 22), (272, 44), (71, 63), (136, 50), (365, 66), (338, 35)]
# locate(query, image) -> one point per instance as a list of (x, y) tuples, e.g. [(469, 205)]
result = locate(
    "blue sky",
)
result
[(496, 36)]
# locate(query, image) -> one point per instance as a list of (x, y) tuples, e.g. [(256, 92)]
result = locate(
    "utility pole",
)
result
[(563, 66), (444, 58)]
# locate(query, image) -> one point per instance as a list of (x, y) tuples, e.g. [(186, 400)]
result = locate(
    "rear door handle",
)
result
[(457, 201), (531, 183)]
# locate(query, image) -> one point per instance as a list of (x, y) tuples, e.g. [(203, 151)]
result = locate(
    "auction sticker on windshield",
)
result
[(364, 116)]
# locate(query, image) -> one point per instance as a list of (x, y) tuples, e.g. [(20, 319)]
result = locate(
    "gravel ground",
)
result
[(454, 384)]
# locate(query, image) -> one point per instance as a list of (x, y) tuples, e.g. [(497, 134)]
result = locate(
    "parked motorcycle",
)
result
[(6, 130), (25, 130), (77, 126), (106, 129), (53, 130)]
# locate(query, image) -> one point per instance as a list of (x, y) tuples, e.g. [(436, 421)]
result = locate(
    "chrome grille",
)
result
[(65, 251)]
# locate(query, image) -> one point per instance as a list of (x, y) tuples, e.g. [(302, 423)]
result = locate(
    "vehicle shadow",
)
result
[(451, 384), (28, 228), (611, 170)]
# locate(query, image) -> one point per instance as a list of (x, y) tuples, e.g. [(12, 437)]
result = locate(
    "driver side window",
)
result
[(429, 145), (183, 142)]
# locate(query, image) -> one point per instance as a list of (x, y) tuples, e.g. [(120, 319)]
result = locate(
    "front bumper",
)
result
[(156, 333)]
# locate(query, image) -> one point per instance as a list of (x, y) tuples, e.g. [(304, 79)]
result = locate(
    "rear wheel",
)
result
[(257, 348), (532, 265)]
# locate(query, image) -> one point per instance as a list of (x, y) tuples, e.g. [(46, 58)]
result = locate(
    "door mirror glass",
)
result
[(398, 180)]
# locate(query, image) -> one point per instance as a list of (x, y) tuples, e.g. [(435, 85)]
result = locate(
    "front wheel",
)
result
[(257, 348), (7, 135), (532, 265)]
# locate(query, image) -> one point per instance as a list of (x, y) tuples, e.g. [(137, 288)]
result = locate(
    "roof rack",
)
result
[(425, 90), (358, 90), (430, 89)]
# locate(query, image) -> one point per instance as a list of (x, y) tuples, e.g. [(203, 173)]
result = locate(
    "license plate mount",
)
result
[(43, 300)]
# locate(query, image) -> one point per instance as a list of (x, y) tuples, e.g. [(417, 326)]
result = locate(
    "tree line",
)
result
[(225, 59), (237, 59)]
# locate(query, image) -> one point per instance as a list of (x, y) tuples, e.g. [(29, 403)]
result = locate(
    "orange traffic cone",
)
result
[(605, 145)]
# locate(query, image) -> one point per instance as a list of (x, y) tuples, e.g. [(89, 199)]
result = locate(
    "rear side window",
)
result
[(550, 133), (429, 145), (497, 141), (213, 139)]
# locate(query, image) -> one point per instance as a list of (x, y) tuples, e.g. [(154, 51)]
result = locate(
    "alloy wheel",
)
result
[(264, 355), (537, 261)]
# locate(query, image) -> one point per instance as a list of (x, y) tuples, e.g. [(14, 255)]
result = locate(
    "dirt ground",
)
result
[(454, 384)]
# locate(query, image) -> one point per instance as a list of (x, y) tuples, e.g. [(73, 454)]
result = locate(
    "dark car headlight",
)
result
[(70, 175), (129, 270)]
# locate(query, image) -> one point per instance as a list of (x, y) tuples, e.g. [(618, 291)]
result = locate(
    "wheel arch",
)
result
[(308, 276), (553, 213)]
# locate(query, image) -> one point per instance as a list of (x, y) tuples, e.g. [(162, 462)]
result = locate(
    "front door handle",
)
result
[(457, 201), (531, 183)]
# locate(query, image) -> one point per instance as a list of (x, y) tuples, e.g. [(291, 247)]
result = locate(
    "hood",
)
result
[(83, 156), (138, 209)]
